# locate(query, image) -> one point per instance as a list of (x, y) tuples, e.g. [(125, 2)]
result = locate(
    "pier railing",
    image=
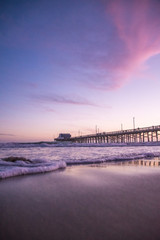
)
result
[(146, 134)]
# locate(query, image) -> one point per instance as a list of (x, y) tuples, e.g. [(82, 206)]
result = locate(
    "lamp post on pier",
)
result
[(134, 123)]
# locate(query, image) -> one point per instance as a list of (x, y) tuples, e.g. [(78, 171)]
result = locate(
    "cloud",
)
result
[(53, 98), (137, 24), (6, 134), (120, 51), (48, 109)]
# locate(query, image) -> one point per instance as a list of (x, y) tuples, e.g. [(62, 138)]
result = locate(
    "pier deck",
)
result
[(147, 134)]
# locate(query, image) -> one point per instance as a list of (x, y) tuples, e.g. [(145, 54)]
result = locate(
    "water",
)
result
[(48, 157), (111, 198)]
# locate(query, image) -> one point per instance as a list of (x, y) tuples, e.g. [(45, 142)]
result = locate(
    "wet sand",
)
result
[(82, 202)]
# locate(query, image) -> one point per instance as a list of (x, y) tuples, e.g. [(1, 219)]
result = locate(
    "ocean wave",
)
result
[(38, 160), (20, 167), (72, 144), (114, 158)]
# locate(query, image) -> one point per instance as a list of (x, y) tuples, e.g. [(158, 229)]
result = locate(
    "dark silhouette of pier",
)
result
[(137, 135)]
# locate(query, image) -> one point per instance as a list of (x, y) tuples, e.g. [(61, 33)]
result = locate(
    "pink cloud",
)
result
[(62, 100), (137, 24)]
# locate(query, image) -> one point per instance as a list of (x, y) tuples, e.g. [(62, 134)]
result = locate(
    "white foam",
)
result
[(69, 154), (120, 157), (72, 144), (10, 169)]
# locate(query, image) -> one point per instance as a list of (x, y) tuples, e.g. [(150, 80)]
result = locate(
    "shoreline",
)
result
[(82, 202), (21, 169)]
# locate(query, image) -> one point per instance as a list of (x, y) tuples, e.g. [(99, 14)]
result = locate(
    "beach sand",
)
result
[(91, 202)]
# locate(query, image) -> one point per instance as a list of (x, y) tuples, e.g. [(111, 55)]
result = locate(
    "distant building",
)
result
[(63, 137)]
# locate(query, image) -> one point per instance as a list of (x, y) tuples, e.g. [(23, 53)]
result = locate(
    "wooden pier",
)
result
[(138, 135)]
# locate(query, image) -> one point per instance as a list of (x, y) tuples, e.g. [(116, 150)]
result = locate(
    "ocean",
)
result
[(46, 157)]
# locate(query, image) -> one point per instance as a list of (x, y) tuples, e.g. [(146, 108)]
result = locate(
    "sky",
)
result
[(74, 66)]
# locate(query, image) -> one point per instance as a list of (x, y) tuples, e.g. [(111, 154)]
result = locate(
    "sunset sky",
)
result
[(69, 65)]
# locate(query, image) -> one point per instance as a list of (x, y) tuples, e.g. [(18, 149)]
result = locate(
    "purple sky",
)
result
[(67, 66)]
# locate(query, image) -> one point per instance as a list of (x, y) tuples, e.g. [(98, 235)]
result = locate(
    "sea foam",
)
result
[(10, 169), (39, 159)]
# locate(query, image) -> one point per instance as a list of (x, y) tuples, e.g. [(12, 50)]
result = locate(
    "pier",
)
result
[(138, 135)]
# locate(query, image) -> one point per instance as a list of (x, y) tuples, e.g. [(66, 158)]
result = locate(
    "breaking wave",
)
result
[(72, 144), (114, 158), (30, 159), (21, 167)]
